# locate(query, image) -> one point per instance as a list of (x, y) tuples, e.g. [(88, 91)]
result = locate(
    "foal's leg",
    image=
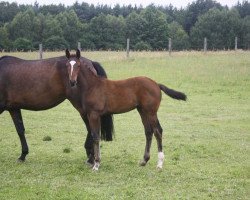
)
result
[(148, 133), (158, 135), (18, 121), (95, 123), (89, 144)]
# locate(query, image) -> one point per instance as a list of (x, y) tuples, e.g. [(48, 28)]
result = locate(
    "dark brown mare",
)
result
[(102, 96), (40, 85)]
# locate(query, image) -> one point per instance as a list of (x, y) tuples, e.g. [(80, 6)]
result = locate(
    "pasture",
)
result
[(206, 140)]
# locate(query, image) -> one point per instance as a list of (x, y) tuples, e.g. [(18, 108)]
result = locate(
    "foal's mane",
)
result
[(91, 69)]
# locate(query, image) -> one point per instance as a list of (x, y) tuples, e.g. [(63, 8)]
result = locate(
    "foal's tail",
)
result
[(172, 93)]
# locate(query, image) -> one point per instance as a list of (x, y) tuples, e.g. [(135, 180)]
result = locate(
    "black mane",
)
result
[(99, 69)]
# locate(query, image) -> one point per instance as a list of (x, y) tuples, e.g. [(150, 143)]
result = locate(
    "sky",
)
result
[(144, 3)]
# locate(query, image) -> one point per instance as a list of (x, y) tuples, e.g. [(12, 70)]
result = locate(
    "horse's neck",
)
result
[(88, 79)]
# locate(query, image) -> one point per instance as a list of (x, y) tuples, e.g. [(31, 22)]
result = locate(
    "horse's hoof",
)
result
[(88, 163), (96, 167), (20, 160), (159, 167), (143, 163)]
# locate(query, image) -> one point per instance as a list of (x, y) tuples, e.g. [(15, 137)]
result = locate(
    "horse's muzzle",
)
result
[(72, 83)]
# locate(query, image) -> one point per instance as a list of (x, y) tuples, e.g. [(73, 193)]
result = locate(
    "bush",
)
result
[(87, 44), (140, 46), (23, 44), (55, 43)]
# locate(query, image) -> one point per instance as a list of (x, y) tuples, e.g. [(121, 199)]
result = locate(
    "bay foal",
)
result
[(102, 96)]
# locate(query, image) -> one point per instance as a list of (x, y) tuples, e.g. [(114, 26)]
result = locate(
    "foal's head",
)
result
[(73, 65)]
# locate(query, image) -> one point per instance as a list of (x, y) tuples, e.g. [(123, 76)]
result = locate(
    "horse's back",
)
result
[(127, 94), (147, 88), (31, 84), (139, 84)]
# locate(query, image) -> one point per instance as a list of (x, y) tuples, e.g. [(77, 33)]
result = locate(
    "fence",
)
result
[(128, 47)]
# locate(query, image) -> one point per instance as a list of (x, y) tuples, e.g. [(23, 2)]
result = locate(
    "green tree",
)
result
[(84, 11), (71, 26), (246, 33), (22, 26), (51, 28), (4, 39), (52, 9), (8, 11), (135, 24), (196, 9), (243, 8), (220, 27), (38, 29), (107, 32), (155, 30), (180, 39)]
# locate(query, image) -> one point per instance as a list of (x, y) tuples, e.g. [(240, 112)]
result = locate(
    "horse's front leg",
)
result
[(95, 123), (88, 143), (18, 121)]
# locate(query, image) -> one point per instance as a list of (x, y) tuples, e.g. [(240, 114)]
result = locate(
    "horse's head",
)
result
[(73, 66)]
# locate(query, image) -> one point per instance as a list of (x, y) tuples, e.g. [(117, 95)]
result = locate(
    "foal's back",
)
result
[(128, 94)]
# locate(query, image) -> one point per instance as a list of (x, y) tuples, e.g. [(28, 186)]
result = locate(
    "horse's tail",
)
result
[(172, 93), (107, 126)]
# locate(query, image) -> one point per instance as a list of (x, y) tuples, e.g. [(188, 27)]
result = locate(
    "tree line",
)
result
[(101, 27)]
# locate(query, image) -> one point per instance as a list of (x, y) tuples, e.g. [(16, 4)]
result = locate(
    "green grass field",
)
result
[(206, 139)]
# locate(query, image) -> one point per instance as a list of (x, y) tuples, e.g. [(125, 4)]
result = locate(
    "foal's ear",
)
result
[(78, 54), (67, 53)]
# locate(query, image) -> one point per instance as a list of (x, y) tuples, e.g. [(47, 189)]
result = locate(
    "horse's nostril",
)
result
[(72, 83)]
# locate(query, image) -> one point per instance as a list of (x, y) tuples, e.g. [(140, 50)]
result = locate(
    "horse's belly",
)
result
[(122, 104), (33, 100)]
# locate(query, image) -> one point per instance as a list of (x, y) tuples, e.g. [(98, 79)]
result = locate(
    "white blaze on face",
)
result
[(72, 62)]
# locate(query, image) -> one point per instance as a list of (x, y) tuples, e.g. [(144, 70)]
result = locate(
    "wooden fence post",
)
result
[(205, 45), (170, 46), (127, 47), (40, 51), (79, 46), (236, 44)]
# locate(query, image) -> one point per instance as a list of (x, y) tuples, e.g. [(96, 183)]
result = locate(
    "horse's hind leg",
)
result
[(18, 121), (158, 135), (148, 133)]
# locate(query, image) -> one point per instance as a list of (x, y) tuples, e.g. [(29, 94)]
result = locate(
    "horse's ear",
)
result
[(78, 54), (67, 53)]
